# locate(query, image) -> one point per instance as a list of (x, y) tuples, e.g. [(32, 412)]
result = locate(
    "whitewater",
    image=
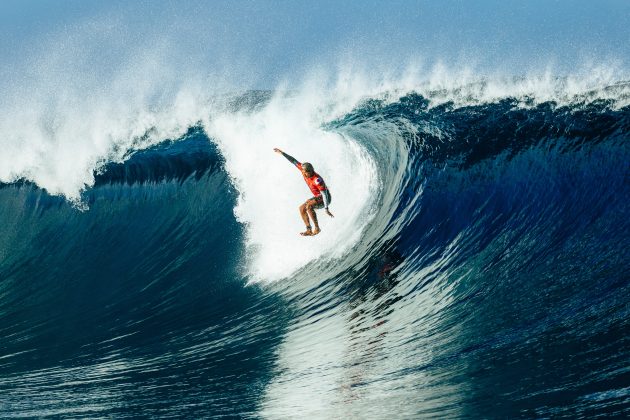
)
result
[(150, 262)]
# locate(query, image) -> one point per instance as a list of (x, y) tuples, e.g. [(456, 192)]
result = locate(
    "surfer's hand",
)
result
[(275, 149), (329, 213)]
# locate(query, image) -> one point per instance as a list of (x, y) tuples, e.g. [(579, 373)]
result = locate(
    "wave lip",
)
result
[(193, 155)]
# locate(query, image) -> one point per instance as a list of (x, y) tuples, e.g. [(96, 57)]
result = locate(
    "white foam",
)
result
[(77, 100), (271, 189), (58, 122), (464, 86)]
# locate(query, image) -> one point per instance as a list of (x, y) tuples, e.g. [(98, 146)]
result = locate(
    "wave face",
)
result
[(476, 266)]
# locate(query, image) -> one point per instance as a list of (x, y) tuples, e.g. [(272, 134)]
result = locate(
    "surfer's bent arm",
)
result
[(325, 197)]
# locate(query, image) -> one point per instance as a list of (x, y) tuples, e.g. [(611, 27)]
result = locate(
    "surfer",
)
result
[(321, 195)]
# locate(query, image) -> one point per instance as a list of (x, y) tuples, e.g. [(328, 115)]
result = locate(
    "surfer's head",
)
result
[(307, 169)]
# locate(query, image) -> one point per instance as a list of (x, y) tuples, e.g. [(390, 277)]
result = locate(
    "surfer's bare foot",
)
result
[(316, 231), (307, 232)]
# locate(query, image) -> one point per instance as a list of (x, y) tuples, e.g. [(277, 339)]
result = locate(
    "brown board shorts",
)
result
[(319, 200)]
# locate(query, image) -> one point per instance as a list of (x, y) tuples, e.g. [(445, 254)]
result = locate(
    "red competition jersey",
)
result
[(315, 183)]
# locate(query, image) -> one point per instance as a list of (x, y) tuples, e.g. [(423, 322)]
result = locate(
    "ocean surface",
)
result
[(477, 265)]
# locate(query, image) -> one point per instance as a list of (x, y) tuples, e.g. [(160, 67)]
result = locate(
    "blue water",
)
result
[(491, 278)]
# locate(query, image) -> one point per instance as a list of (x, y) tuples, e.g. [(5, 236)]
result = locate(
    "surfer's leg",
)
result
[(310, 208), (304, 215)]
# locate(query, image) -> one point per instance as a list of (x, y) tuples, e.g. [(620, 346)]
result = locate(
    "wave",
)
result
[(475, 266)]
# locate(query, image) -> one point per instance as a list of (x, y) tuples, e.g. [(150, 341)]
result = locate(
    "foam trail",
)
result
[(271, 189)]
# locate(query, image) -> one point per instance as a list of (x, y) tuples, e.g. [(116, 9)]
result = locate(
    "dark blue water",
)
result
[(493, 280)]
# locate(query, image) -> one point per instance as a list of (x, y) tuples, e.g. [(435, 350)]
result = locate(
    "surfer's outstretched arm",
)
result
[(289, 157)]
